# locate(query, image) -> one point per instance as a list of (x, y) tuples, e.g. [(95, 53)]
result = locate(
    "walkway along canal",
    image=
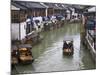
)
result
[(48, 54)]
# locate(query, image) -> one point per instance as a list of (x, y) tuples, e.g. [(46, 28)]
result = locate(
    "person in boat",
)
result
[(65, 45), (70, 45)]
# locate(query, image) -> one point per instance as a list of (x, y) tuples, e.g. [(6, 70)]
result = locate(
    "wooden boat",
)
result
[(14, 60), (68, 47), (25, 54)]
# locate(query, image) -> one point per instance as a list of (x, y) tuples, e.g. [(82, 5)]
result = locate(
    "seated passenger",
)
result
[(70, 45), (65, 45)]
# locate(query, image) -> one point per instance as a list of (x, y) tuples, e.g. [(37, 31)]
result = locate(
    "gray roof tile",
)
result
[(30, 4), (19, 6)]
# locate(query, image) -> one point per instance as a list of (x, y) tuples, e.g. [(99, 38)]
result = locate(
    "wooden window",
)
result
[(15, 16), (42, 12), (50, 11), (22, 16)]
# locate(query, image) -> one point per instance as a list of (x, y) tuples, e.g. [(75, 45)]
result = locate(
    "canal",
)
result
[(48, 53)]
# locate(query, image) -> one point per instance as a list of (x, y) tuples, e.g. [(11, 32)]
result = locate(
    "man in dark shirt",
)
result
[(65, 45)]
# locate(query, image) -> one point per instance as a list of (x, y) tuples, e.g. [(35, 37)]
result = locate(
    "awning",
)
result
[(93, 9), (52, 5), (78, 6), (14, 7), (67, 7), (61, 6), (17, 6), (30, 5)]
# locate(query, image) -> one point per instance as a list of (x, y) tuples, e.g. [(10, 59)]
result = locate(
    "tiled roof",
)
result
[(52, 5), (30, 4), (18, 5)]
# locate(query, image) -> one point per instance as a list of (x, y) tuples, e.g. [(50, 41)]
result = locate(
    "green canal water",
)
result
[(48, 53)]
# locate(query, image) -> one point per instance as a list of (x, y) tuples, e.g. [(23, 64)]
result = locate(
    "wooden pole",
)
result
[(19, 27), (46, 12)]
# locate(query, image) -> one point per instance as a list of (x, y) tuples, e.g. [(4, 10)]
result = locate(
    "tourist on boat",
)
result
[(65, 45), (70, 45)]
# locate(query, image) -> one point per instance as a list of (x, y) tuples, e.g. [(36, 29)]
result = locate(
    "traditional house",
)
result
[(61, 10), (34, 8), (50, 10), (54, 9), (89, 19), (18, 24), (68, 12)]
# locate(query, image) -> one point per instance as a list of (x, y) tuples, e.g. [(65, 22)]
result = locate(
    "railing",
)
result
[(91, 39)]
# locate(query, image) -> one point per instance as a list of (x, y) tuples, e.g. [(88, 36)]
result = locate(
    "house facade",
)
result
[(18, 24)]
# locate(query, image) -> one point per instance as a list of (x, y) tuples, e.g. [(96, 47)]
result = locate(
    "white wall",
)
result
[(14, 8), (92, 9), (68, 16), (14, 31), (22, 30)]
